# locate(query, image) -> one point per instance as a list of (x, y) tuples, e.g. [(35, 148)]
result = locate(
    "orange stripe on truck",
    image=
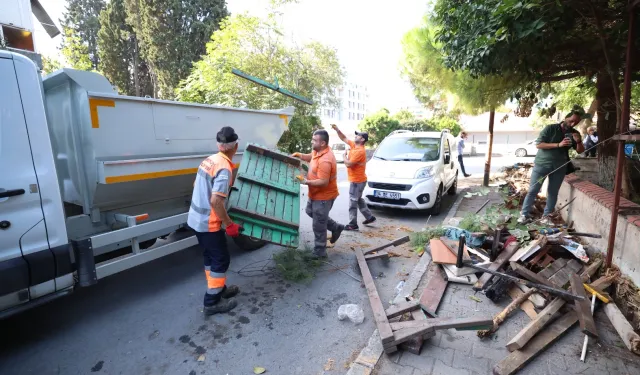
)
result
[(148, 176), (93, 109)]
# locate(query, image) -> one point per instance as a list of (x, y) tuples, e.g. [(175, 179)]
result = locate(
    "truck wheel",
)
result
[(248, 243)]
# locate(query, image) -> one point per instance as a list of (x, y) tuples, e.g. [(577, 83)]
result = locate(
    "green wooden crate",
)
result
[(265, 197)]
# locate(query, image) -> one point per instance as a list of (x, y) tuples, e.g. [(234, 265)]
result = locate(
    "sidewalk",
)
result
[(453, 352)]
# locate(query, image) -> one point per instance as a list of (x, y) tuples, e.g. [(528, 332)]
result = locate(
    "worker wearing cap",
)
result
[(356, 164), (322, 180), (208, 215)]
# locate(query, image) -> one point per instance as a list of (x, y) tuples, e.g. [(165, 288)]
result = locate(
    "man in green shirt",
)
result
[(553, 145)]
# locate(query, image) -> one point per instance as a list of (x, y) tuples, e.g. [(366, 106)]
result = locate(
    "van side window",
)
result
[(447, 149)]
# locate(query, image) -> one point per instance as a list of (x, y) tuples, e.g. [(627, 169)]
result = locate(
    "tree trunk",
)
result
[(487, 163), (136, 66), (584, 125), (607, 121)]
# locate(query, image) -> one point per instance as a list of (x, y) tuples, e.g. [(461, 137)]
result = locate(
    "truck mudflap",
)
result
[(265, 197)]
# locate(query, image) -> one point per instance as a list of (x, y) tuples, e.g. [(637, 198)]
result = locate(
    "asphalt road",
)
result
[(475, 164), (148, 320)]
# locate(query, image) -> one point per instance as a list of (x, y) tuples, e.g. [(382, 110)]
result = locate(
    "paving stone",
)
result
[(458, 340), (536, 367), (389, 368), (588, 367), (425, 360), (462, 360), (615, 364), (482, 350), (358, 369), (441, 369), (556, 361)]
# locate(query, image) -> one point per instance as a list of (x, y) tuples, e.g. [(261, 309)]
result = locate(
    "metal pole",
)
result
[(624, 126), (461, 242), (487, 163)]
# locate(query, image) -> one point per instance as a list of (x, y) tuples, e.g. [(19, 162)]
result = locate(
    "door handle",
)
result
[(11, 193)]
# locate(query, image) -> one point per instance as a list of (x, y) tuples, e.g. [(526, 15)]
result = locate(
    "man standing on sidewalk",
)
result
[(551, 161), (356, 164), (322, 180), (461, 138), (206, 217)]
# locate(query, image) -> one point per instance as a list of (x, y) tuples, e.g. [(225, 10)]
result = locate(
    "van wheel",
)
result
[(521, 152), (454, 187), (248, 243), (437, 205)]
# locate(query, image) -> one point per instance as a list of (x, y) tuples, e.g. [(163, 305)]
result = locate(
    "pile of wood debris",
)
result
[(516, 187)]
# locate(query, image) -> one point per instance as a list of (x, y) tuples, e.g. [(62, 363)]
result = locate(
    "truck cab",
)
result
[(35, 257)]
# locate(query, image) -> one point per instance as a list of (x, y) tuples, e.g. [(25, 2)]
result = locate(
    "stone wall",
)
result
[(591, 213)]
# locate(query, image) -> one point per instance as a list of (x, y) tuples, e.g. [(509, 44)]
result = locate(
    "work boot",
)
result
[(336, 233), (351, 227), (229, 291), (370, 220), (213, 304)]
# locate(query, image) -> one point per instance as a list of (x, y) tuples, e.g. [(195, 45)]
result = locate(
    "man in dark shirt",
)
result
[(551, 161)]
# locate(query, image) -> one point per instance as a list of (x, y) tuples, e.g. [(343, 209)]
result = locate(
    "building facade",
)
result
[(353, 104)]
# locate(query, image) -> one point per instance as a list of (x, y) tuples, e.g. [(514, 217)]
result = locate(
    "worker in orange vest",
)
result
[(207, 216), (356, 164), (322, 180)]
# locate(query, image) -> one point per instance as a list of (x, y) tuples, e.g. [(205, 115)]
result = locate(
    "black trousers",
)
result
[(461, 164)]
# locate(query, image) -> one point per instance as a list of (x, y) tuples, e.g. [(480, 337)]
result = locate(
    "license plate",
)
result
[(386, 194)]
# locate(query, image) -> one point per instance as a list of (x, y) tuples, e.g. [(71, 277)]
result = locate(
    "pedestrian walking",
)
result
[(206, 217), (322, 180), (461, 138), (551, 161), (356, 164), (590, 141)]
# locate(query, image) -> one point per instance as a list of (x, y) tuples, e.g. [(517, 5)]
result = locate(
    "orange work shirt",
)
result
[(323, 166), (357, 154)]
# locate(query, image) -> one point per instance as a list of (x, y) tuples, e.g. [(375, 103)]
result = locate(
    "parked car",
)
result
[(339, 150), (411, 170), (526, 149)]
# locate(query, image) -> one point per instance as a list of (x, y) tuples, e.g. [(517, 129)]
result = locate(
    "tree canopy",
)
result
[(80, 26), (257, 47)]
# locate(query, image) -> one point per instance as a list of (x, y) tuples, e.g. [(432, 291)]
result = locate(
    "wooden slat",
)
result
[(269, 184), (270, 211), (602, 283), (531, 276), (433, 290), (247, 220), (592, 269), (401, 308), (583, 308), (553, 268), (531, 329), (526, 306), (379, 315), (500, 261), (430, 325), (274, 155), (396, 242), (415, 344), (270, 219), (560, 278), (453, 247), (440, 252), (288, 239), (381, 254), (515, 361)]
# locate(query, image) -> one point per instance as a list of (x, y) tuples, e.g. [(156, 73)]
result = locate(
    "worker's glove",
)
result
[(296, 155), (233, 230)]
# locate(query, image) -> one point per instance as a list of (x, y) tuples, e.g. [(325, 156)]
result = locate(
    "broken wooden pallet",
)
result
[(500, 261)]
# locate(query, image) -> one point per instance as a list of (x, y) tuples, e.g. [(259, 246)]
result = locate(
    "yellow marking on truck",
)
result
[(147, 176), (93, 109), (286, 120)]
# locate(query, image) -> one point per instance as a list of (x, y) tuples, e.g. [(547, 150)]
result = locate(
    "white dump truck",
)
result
[(89, 179)]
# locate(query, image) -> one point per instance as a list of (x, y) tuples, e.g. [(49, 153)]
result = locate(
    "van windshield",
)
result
[(409, 149), (338, 147)]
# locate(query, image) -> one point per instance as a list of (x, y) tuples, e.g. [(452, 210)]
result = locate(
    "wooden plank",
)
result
[(259, 223), (592, 269), (433, 290), (279, 203), (602, 283), (553, 268), (622, 326), (500, 261), (541, 254), (401, 308), (531, 276), (573, 266), (381, 254), (396, 242), (269, 184), (288, 239), (538, 300), (415, 344), (440, 253), (515, 361), (560, 278), (526, 306), (273, 155), (531, 329), (525, 250), (431, 325), (583, 308), (379, 315), (453, 247), (547, 260), (270, 219)]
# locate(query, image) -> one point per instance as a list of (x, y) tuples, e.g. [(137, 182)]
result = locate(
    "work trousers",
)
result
[(216, 259), (538, 175), (461, 165), (357, 203), (319, 212)]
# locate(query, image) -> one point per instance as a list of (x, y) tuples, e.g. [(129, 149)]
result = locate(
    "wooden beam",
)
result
[(526, 306), (430, 325), (396, 242), (515, 361), (266, 218), (531, 329), (531, 276), (274, 155), (401, 308), (379, 315), (434, 290), (583, 308), (622, 326), (496, 265), (381, 254)]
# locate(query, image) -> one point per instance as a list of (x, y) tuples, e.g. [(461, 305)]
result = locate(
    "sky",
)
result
[(366, 34)]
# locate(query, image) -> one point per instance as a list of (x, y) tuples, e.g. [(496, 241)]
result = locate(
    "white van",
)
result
[(339, 150), (411, 170)]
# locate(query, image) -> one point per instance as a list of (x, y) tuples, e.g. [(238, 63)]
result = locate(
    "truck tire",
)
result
[(247, 243)]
